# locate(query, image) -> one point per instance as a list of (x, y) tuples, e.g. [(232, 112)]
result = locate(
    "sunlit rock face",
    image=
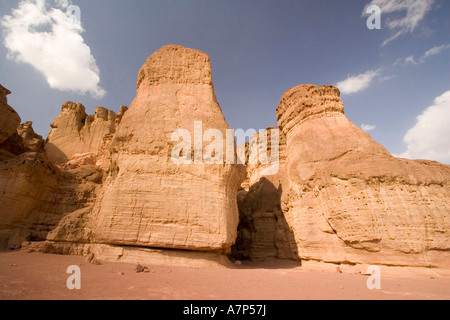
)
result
[(348, 199), (147, 200), (75, 133), (109, 184)]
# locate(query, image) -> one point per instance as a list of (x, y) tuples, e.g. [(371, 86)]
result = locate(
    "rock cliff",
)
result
[(34, 192), (9, 120), (112, 185), (75, 133), (147, 200), (348, 199)]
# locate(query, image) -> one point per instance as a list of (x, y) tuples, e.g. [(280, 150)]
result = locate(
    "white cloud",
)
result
[(368, 127), (387, 78), (411, 60), (436, 50), (50, 40), (429, 138), (432, 52), (415, 13), (358, 83)]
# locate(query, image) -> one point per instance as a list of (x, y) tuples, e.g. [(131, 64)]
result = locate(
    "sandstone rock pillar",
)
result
[(149, 201)]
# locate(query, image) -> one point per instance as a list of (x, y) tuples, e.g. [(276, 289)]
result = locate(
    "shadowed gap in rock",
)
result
[(263, 233)]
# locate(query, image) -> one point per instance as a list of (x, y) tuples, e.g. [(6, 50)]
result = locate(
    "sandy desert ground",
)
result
[(35, 276)]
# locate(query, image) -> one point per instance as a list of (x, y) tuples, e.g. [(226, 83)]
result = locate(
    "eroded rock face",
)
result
[(348, 199), (147, 200), (263, 232), (9, 119), (75, 133), (28, 185), (31, 140), (107, 184), (34, 193)]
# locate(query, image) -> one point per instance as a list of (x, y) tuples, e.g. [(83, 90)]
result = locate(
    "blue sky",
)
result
[(395, 81)]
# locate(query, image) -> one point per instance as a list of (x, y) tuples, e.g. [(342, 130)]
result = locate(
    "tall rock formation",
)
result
[(348, 199), (109, 185), (147, 200)]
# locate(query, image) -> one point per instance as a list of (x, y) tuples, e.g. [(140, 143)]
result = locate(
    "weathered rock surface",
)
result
[(106, 186), (9, 119), (34, 193), (75, 133), (123, 254), (28, 185), (348, 199), (263, 232), (24, 178), (147, 200)]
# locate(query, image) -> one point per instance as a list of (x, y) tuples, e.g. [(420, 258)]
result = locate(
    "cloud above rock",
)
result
[(357, 83), (429, 138), (437, 50), (43, 34), (368, 127)]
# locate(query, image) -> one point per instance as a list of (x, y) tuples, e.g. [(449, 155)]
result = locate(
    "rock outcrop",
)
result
[(32, 141), (36, 194), (75, 133), (9, 119), (349, 200), (118, 187), (27, 180), (147, 200)]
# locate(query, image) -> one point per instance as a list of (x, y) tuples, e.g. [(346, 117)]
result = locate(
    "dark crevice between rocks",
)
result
[(263, 233)]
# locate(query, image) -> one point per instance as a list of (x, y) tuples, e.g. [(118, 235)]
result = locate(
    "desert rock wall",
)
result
[(75, 133), (34, 192), (348, 199), (109, 184), (147, 200), (9, 119)]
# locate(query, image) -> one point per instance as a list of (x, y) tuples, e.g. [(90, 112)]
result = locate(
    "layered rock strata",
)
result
[(348, 200), (75, 133), (36, 194), (147, 200), (111, 185)]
